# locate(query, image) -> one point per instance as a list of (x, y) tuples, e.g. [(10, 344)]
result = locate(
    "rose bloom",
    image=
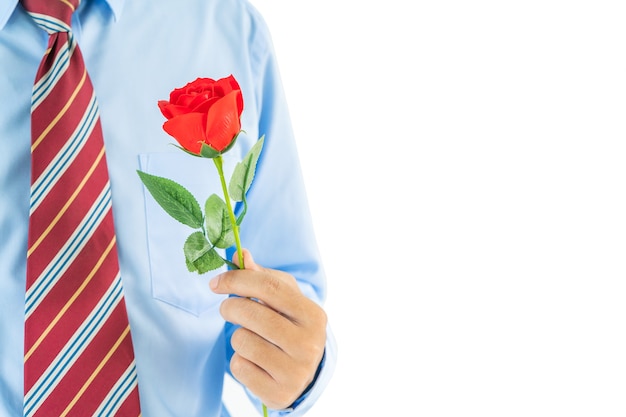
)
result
[(204, 111)]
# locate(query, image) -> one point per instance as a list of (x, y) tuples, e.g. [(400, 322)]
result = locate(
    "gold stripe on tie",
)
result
[(61, 113), (71, 300), (95, 372), (80, 186)]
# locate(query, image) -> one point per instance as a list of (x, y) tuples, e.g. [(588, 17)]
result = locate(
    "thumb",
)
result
[(248, 260)]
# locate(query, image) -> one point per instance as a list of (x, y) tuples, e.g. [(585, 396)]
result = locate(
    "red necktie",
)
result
[(78, 355)]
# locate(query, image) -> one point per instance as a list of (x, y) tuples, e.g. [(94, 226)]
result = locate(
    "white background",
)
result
[(466, 169)]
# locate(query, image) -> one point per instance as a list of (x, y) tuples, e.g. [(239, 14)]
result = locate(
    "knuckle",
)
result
[(311, 356), (311, 352), (291, 281), (250, 311), (320, 317), (272, 284), (316, 316)]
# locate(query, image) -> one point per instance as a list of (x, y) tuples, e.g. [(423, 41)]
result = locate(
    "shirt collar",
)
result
[(8, 7)]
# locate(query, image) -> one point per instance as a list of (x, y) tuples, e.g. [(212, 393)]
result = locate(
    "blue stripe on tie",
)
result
[(49, 23), (69, 252), (53, 172), (49, 80), (40, 391), (122, 390)]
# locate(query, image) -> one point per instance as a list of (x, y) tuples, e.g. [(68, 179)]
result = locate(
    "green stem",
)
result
[(220, 170)]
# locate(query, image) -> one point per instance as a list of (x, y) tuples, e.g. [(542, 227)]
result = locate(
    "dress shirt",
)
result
[(136, 52)]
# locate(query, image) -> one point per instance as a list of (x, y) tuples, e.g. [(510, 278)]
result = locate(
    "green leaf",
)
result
[(244, 171), (174, 199), (200, 256), (218, 226), (196, 246), (190, 266)]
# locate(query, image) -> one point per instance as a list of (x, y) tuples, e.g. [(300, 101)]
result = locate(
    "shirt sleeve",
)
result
[(278, 228)]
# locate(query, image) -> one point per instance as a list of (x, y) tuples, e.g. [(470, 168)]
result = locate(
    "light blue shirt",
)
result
[(136, 52)]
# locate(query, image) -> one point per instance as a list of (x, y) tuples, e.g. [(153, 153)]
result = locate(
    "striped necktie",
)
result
[(78, 355)]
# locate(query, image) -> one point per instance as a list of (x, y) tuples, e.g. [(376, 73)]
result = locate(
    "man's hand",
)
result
[(282, 336)]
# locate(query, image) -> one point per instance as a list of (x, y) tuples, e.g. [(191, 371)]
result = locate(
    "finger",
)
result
[(259, 351), (273, 394), (283, 368), (260, 319), (275, 288)]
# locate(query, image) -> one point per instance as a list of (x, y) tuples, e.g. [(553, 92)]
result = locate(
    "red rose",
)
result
[(204, 111)]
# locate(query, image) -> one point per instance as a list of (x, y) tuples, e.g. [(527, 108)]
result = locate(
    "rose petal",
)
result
[(229, 83), (202, 104), (222, 123), (170, 110), (188, 130)]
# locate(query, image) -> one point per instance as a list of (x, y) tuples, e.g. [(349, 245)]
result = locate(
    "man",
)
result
[(186, 330)]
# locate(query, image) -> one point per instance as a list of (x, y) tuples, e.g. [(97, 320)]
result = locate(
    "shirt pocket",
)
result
[(171, 282)]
